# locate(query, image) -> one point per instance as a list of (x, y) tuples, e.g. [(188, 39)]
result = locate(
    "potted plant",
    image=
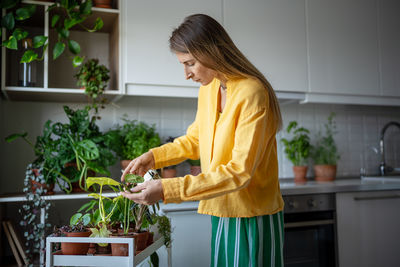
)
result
[(297, 149), (78, 227), (132, 139), (325, 154), (93, 77), (195, 168)]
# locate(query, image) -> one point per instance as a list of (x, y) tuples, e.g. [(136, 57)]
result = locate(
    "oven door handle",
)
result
[(309, 223)]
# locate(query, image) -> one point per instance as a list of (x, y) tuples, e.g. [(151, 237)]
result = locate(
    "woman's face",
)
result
[(195, 70)]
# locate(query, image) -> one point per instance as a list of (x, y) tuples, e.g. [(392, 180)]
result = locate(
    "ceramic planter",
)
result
[(325, 173), (300, 173), (75, 248), (120, 249), (140, 241), (168, 173)]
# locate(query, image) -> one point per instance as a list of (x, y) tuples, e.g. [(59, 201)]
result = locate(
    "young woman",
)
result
[(233, 134)]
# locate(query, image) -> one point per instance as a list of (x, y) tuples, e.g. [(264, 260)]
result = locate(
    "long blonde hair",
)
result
[(209, 43)]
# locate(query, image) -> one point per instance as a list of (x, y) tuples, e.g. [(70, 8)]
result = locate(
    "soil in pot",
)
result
[(103, 3), (75, 248), (120, 249), (35, 185), (104, 251), (195, 170), (325, 173), (300, 173), (168, 173)]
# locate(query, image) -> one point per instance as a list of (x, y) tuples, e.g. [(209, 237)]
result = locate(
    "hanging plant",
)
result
[(34, 230)]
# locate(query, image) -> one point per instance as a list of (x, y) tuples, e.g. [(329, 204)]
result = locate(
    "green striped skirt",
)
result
[(255, 241)]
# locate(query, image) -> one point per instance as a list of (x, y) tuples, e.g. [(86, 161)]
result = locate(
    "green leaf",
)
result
[(22, 13), (20, 34), (77, 61), (69, 23), (39, 41), (54, 20), (29, 56), (13, 137), (11, 43), (31, 9), (64, 33), (74, 47), (101, 181), (99, 24), (86, 219), (87, 149), (86, 7), (8, 21), (58, 49), (8, 3), (75, 218), (133, 178)]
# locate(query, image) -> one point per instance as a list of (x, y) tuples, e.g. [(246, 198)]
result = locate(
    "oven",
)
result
[(310, 231)]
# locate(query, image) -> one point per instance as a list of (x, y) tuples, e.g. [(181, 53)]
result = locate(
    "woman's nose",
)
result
[(188, 76)]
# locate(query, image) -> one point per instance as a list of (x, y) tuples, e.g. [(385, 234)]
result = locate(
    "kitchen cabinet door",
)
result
[(272, 34), (343, 47), (146, 31), (389, 25), (368, 228)]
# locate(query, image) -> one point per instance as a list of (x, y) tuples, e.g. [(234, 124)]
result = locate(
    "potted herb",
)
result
[(93, 77), (195, 168), (78, 227), (324, 153), (132, 139), (297, 150)]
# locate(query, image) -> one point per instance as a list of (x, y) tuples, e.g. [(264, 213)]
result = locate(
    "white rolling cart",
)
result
[(56, 259)]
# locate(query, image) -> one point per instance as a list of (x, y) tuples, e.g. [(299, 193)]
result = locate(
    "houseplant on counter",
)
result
[(325, 154), (297, 150), (94, 77), (132, 139)]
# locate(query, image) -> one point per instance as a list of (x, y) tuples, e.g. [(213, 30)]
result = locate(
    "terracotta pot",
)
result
[(102, 3), (125, 163), (168, 173), (195, 170), (106, 250), (120, 249), (75, 248), (140, 241), (300, 173), (35, 185), (324, 173), (150, 239)]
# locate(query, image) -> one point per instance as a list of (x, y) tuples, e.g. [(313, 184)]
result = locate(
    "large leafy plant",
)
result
[(133, 138), (298, 148), (325, 149), (69, 13)]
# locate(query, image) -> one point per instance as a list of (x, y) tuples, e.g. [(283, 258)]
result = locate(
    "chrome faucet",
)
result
[(383, 169)]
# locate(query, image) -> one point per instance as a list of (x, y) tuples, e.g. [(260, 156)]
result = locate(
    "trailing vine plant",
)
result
[(34, 230)]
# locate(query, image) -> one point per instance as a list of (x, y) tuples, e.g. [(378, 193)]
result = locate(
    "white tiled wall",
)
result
[(358, 130)]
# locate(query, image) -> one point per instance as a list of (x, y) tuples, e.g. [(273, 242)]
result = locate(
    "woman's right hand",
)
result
[(140, 165)]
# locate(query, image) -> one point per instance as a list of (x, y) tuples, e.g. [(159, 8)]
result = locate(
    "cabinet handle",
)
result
[(376, 197), (309, 223)]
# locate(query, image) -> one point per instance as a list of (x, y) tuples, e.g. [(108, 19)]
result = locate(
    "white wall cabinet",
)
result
[(389, 46), (368, 228), (149, 66), (272, 34), (343, 47)]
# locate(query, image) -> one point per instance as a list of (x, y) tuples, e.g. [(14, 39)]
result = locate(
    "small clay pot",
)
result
[(300, 173), (140, 241), (168, 173), (102, 3), (325, 173), (125, 163), (75, 248), (195, 170), (121, 249), (106, 250)]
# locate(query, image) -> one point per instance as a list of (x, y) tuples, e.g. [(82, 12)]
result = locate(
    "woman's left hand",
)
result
[(150, 192)]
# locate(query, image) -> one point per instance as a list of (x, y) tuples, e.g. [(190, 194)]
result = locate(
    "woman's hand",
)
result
[(140, 165), (150, 192)]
